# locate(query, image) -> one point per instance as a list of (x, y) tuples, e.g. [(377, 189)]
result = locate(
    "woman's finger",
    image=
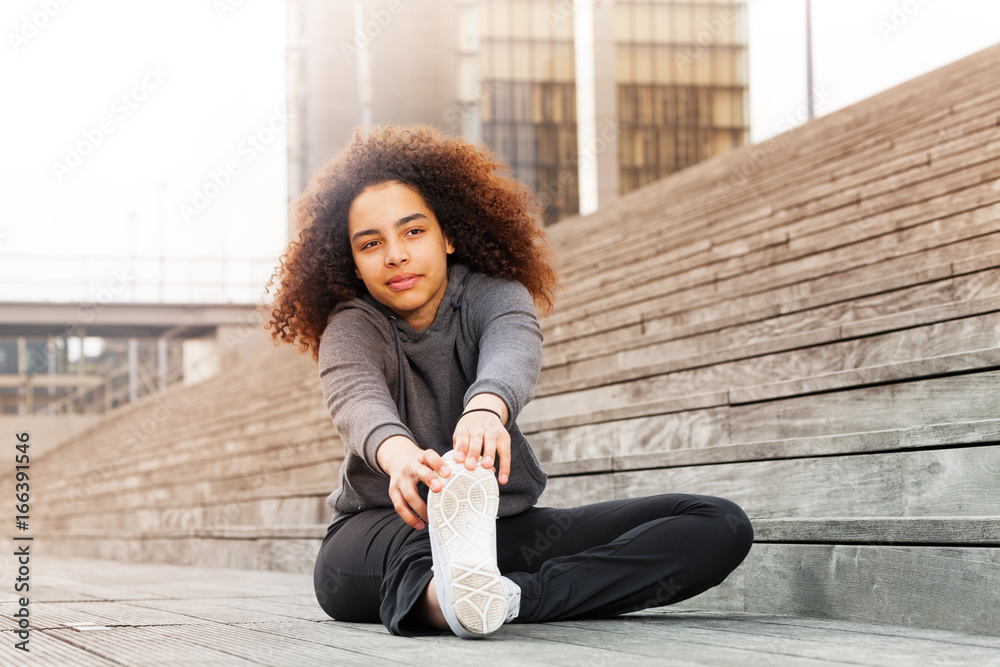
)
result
[(460, 443), (475, 447), (430, 477), (434, 461), (414, 501), (503, 452), (489, 448), (403, 510)]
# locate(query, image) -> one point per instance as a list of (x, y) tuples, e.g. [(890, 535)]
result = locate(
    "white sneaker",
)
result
[(462, 523), (513, 599)]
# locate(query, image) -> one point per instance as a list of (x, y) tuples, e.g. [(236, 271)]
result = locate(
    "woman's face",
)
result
[(399, 251)]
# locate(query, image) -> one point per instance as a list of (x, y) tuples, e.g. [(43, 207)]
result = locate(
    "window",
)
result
[(681, 90)]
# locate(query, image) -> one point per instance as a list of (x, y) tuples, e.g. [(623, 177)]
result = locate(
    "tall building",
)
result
[(586, 99)]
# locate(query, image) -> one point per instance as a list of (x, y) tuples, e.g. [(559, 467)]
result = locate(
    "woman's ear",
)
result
[(449, 248)]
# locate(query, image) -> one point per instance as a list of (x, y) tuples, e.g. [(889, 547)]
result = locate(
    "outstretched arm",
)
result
[(363, 411), (354, 385), (510, 361)]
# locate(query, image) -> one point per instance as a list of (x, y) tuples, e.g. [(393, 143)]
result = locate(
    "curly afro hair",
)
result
[(493, 220)]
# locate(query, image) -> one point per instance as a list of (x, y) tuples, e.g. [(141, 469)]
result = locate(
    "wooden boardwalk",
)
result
[(98, 612)]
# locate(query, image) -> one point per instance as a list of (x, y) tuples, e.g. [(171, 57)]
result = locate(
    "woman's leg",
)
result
[(374, 567), (610, 558)]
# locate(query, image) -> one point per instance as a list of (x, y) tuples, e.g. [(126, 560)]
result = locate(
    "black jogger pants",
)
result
[(591, 561)]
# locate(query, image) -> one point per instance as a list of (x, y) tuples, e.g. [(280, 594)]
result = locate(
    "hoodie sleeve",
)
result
[(510, 342), (351, 361)]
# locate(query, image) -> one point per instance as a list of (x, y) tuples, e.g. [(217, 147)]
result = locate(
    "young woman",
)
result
[(413, 284)]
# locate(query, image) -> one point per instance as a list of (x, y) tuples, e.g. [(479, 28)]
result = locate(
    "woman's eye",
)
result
[(415, 229), (365, 246)]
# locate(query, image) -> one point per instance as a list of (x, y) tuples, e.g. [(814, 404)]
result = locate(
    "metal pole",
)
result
[(133, 220), (809, 60), (161, 354), (469, 79), (22, 371), (50, 351), (364, 71), (133, 370), (161, 192), (586, 105)]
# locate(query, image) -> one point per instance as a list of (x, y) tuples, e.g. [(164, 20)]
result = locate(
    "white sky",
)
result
[(221, 78), (860, 47), (220, 81)]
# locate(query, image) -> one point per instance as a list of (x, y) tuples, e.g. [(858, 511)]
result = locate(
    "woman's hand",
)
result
[(406, 464), (483, 433)]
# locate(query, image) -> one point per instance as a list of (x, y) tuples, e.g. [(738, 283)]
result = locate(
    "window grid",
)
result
[(529, 109), (681, 90), (681, 85)]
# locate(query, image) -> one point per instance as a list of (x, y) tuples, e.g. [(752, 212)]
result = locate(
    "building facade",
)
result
[(587, 100)]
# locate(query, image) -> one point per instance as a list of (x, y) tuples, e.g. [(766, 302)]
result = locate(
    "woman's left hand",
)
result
[(482, 433)]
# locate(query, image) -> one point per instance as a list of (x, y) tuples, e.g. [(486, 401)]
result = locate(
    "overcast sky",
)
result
[(165, 92), (105, 100), (860, 47)]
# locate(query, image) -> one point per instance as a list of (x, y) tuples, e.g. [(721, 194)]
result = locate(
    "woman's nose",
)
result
[(395, 254)]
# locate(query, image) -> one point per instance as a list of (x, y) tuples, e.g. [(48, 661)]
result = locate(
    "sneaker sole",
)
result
[(462, 524)]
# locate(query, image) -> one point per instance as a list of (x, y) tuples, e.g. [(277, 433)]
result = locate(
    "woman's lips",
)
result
[(401, 285)]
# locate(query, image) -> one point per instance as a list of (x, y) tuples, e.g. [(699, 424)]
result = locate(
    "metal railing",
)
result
[(142, 279), (102, 397)]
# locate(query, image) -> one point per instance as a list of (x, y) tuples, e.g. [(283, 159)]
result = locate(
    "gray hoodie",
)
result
[(484, 338)]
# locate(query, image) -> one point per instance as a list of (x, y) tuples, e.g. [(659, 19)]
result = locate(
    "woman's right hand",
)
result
[(407, 465)]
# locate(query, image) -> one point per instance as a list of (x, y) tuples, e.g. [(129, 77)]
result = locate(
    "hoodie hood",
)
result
[(458, 280)]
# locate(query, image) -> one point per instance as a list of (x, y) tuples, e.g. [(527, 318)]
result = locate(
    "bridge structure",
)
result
[(33, 332)]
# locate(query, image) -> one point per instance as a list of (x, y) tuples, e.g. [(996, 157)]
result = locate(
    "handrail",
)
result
[(87, 395), (66, 404)]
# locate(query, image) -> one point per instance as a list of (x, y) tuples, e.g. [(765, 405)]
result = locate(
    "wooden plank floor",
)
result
[(95, 612)]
